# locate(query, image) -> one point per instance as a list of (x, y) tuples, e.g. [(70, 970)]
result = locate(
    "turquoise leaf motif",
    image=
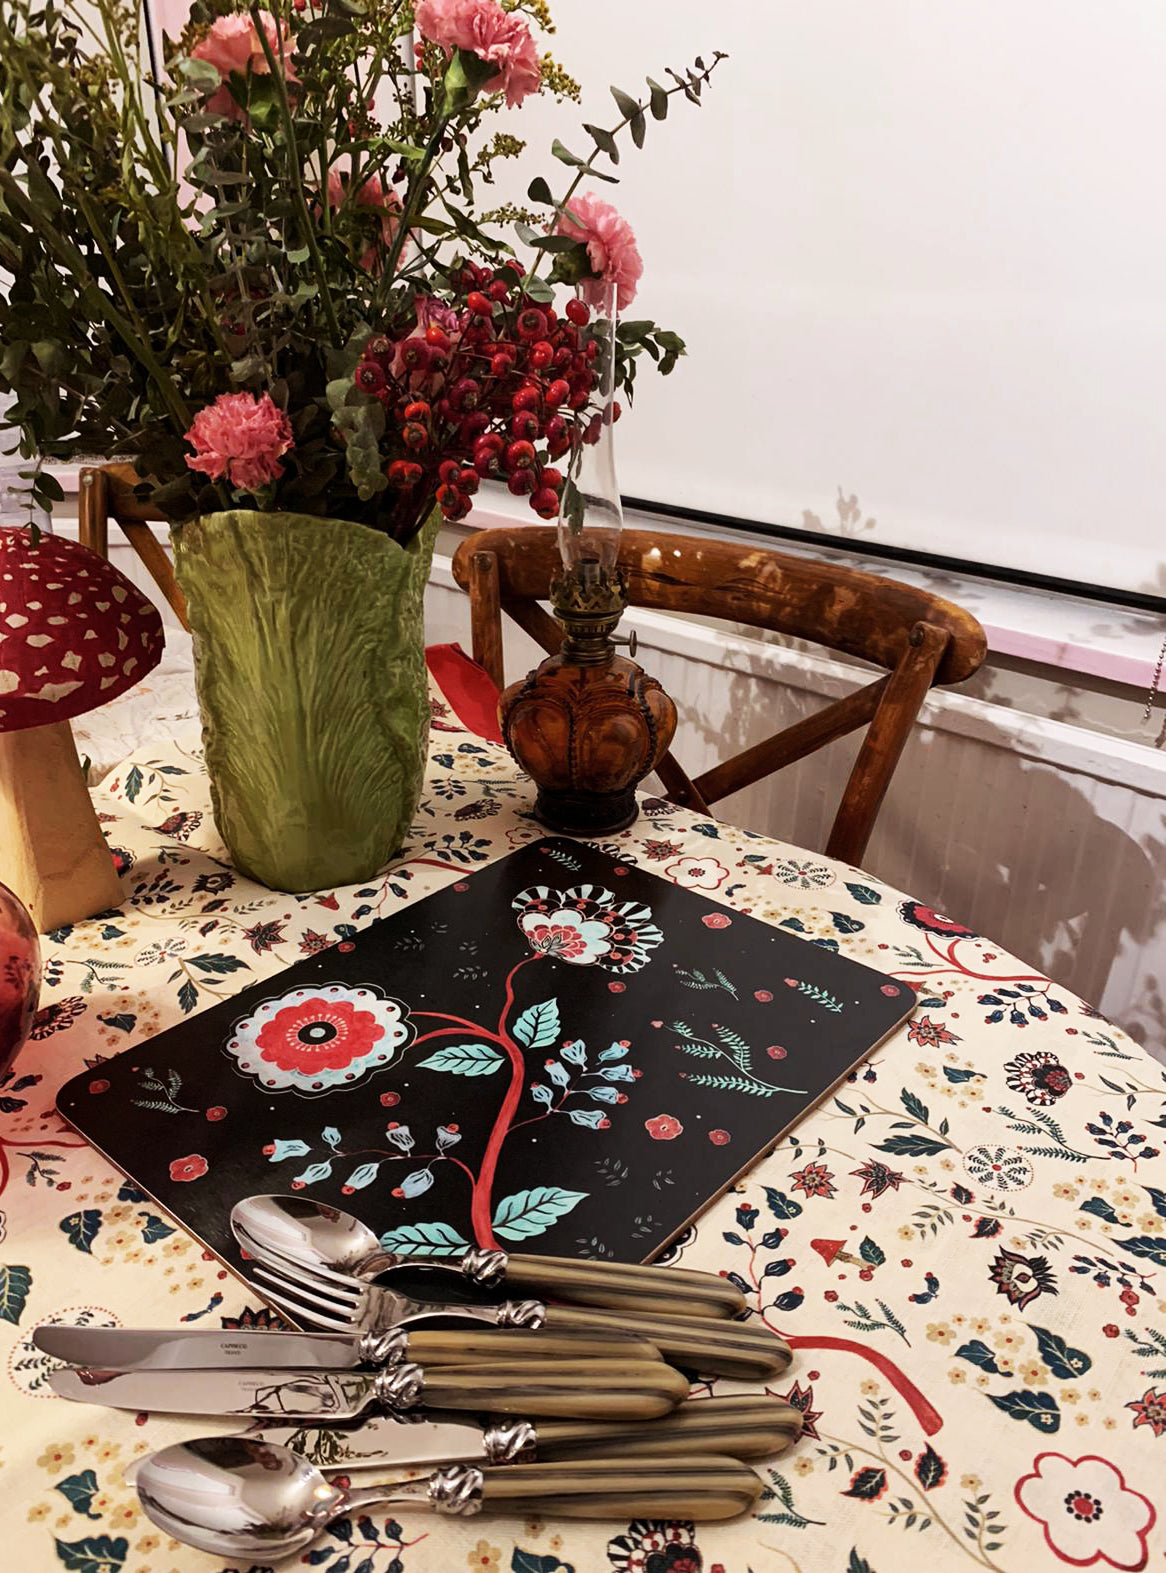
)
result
[(464, 1059), (538, 1026), (424, 1239), (526, 1213)]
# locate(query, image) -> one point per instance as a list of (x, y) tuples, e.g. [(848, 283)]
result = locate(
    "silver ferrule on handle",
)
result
[(456, 1492), (386, 1346), (399, 1387), (510, 1442), (522, 1313), (484, 1267)]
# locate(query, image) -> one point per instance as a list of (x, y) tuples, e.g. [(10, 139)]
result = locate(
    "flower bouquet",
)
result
[(262, 270)]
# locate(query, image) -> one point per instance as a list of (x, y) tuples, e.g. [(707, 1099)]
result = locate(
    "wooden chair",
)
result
[(107, 492), (917, 637)]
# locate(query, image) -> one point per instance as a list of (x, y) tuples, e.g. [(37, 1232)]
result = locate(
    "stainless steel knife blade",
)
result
[(162, 1349), (305, 1395)]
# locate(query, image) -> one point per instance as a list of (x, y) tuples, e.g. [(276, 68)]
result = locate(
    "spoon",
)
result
[(319, 1235), (237, 1497)]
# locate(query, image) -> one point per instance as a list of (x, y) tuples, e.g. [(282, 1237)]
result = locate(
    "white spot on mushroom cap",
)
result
[(74, 600), (71, 661), (38, 641), (15, 620), (118, 593), (52, 693), (105, 659), (9, 682), (35, 606)]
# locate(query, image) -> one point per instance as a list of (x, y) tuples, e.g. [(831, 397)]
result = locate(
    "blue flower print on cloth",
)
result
[(312, 1040)]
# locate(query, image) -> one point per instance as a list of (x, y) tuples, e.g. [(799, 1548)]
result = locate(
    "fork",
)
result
[(328, 1299)]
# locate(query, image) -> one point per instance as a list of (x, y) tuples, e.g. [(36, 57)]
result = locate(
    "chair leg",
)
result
[(93, 511), (486, 616), (884, 742)]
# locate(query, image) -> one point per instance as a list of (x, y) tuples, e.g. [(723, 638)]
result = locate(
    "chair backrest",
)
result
[(107, 492), (918, 638)]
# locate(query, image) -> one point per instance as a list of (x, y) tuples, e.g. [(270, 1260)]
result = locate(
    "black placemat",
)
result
[(560, 1053)]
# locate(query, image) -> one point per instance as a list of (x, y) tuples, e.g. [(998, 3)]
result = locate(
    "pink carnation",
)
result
[(611, 248), (371, 194), (486, 30), (233, 47), (241, 437)]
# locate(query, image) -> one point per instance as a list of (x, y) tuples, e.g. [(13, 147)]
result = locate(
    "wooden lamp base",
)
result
[(588, 724)]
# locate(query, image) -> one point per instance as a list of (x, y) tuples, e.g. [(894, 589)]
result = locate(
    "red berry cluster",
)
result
[(492, 384)]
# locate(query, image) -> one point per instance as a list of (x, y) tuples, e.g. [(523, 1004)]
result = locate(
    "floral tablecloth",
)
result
[(966, 1246)]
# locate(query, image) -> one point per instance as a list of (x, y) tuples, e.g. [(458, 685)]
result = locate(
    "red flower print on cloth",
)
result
[(932, 922), (719, 1138), (585, 926), (877, 1178), (1087, 1511), (814, 1180), (716, 920), (930, 1033), (697, 873), (1022, 1279), (191, 1168), (664, 1128), (656, 1546), (312, 1040), (1150, 1410), (1040, 1077)]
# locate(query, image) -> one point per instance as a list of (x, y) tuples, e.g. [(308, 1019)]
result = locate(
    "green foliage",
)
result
[(168, 242)]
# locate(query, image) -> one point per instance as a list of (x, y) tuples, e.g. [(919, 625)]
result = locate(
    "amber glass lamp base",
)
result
[(588, 724)]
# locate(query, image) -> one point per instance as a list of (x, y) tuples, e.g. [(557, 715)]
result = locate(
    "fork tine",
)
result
[(299, 1272), (326, 1300), (302, 1313), (307, 1304)]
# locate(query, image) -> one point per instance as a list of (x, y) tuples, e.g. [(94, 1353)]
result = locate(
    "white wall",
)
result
[(918, 252)]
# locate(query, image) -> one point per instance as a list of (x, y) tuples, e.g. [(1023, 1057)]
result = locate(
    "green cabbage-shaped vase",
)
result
[(309, 659)]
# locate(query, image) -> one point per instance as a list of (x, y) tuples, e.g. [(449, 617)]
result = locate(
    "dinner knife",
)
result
[(193, 1349), (743, 1425), (585, 1390), (740, 1426)]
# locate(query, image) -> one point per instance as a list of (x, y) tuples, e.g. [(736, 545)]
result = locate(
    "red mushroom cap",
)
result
[(827, 1249), (74, 632)]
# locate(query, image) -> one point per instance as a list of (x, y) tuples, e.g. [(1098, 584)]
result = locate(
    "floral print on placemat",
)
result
[(965, 1243)]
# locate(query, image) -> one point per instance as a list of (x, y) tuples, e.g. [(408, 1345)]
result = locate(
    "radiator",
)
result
[(1050, 838)]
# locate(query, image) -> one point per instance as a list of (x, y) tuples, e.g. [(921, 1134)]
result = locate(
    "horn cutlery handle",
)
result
[(743, 1350), (738, 1426), (591, 1390)]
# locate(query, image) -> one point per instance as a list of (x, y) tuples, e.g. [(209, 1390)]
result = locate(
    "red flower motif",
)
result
[(191, 1168), (1111, 1330), (1150, 1410), (762, 996), (775, 1051), (388, 1099), (719, 1138), (664, 1128), (99, 1086), (932, 922), (890, 990), (877, 1177), (616, 987), (814, 1180), (929, 1033), (318, 1034), (716, 920), (216, 1113)]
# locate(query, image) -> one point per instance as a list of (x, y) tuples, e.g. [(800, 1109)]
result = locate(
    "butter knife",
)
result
[(196, 1349)]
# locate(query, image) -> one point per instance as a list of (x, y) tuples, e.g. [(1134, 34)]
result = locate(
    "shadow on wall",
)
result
[(1064, 871)]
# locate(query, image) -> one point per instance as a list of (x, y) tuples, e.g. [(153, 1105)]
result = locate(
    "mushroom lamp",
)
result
[(74, 634)]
